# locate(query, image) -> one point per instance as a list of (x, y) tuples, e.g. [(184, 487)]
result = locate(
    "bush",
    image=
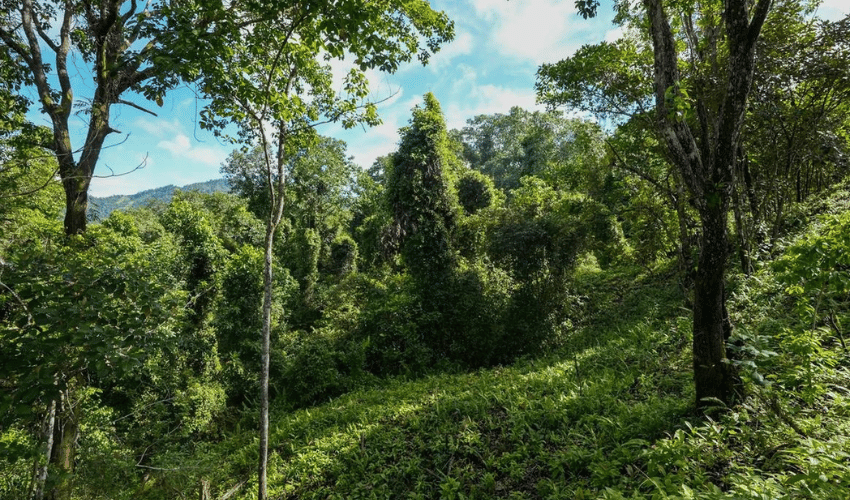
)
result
[(319, 365)]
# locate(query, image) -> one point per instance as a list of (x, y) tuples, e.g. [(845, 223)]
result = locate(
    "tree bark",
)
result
[(266, 354), (40, 476), (276, 182), (706, 161), (714, 377), (64, 454)]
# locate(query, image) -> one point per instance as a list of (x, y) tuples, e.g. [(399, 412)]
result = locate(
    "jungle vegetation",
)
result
[(649, 302)]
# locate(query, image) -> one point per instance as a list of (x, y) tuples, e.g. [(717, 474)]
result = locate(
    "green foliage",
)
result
[(475, 191), (319, 365), (55, 333), (30, 198), (422, 198), (565, 152), (539, 427), (238, 321), (608, 79)]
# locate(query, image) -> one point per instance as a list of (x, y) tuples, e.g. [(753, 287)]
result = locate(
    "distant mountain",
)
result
[(100, 208)]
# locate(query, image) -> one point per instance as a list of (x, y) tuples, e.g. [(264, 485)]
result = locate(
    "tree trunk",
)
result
[(40, 475), (741, 232), (276, 182), (706, 160), (685, 249), (66, 433), (266, 354), (714, 377), (76, 205)]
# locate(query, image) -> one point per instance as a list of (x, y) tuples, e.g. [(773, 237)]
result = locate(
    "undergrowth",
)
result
[(608, 415)]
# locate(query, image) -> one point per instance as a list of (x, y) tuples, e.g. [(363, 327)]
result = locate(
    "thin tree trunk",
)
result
[(264, 374), (741, 232), (276, 181), (686, 263), (65, 447), (40, 476)]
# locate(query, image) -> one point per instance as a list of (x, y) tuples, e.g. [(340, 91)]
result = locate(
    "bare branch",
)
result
[(43, 34), (133, 105)]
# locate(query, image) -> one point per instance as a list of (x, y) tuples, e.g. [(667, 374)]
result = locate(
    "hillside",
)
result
[(609, 417), (100, 208)]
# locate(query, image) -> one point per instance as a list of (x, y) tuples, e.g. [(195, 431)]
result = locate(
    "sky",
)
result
[(488, 68)]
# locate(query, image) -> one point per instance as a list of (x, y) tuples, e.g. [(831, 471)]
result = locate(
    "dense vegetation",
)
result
[(510, 310)]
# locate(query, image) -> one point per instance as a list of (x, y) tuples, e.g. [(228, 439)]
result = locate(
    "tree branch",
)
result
[(133, 105)]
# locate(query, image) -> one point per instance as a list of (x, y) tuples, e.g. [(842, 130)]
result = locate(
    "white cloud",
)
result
[(158, 128), (534, 30), (489, 99), (614, 34), (463, 44), (181, 147), (833, 10)]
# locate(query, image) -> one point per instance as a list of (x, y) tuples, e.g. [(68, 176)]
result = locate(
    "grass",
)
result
[(560, 426)]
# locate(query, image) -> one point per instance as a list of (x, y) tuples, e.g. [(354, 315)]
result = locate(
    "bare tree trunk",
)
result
[(40, 476), (714, 377), (685, 249), (266, 354), (741, 232), (276, 181), (64, 454)]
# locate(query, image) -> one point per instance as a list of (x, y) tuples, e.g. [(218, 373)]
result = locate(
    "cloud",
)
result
[(833, 10), (158, 128), (462, 45), (533, 30), (614, 34), (489, 99), (181, 147)]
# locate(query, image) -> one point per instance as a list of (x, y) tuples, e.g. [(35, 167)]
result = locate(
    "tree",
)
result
[(613, 80), (422, 198), (700, 122), (272, 84), (797, 126), (117, 40)]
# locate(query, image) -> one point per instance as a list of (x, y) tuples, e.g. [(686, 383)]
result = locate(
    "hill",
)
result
[(100, 208), (608, 417)]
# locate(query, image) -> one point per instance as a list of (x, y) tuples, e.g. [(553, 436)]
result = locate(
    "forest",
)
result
[(640, 293)]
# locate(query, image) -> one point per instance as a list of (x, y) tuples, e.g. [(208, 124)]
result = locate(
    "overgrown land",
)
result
[(534, 306)]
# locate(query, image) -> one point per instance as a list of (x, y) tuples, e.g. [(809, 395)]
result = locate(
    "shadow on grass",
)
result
[(566, 425)]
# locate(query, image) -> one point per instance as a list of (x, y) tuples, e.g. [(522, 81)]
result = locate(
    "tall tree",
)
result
[(422, 199), (273, 85), (701, 128)]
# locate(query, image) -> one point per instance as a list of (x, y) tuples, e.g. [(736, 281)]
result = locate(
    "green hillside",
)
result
[(610, 416), (100, 208)]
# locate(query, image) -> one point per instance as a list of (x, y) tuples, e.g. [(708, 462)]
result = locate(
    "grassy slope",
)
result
[(569, 421), (606, 417)]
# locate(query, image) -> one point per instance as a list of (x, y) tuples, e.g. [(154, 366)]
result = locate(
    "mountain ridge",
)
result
[(101, 207)]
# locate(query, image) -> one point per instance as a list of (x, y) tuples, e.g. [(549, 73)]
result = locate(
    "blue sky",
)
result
[(488, 68)]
